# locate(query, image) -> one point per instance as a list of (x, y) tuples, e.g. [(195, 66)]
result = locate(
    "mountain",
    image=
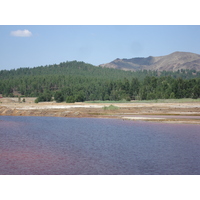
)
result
[(172, 62)]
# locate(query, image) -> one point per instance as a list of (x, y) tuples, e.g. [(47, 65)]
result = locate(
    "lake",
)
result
[(78, 146)]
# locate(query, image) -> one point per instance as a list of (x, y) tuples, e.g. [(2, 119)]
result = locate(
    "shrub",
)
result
[(128, 98), (46, 96), (70, 99), (59, 96), (111, 107), (36, 101)]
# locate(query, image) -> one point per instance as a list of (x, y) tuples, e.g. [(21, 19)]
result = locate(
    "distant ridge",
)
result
[(172, 62)]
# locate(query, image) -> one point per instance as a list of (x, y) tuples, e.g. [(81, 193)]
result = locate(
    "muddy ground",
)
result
[(159, 112)]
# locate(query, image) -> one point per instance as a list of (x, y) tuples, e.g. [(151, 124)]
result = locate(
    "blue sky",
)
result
[(35, 45)]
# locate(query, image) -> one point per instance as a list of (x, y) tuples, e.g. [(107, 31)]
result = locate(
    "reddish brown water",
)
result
[(47, 145)]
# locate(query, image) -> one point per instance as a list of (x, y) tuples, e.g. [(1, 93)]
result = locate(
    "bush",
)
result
[(59, 97), (111, 107), (70, 99), (128, 98), (44, 97), (79, 97), (37, 101)]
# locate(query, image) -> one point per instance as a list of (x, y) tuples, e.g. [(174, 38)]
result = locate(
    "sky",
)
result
[(36, 45)]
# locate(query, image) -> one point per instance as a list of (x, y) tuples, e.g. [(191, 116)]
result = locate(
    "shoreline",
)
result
[(187, 113)]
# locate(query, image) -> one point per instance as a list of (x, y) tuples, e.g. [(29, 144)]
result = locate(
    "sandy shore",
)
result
[(157, 112)]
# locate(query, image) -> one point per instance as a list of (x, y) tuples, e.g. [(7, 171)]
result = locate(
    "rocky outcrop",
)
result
[(172, 62)]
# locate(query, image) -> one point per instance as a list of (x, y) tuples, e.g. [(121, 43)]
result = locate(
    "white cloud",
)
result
[(21, 33)]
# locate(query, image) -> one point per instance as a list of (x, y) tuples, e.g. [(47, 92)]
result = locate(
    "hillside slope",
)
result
[(172, 62), (77, 81)]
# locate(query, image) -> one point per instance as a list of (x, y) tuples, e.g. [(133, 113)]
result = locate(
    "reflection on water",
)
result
[(48, 145)]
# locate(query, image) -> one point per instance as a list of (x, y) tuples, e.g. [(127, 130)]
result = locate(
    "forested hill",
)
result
[(72, 68), (78, 81), (75, 68)]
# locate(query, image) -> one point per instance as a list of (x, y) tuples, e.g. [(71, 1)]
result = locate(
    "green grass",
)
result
[(107, 101), (111, 107), (184, 100)]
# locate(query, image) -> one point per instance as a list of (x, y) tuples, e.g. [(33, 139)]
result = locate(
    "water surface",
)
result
[(53, 145)]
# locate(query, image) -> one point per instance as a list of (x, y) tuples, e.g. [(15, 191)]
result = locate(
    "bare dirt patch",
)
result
[(160, 112)]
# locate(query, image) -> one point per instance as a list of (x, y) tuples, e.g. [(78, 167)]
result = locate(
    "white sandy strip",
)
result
[(142, 118), (59, 107), (185, 106)]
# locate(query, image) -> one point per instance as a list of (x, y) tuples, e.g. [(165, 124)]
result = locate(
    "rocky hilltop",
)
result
[(172, 62)]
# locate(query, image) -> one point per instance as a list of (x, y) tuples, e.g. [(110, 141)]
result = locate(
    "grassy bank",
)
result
[(107, 101), (185, 100), (32, 100)]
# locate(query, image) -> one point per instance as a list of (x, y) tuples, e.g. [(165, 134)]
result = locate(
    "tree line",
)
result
[(78, 81)]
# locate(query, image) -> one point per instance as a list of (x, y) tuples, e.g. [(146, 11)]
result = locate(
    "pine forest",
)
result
[(78, 81)]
